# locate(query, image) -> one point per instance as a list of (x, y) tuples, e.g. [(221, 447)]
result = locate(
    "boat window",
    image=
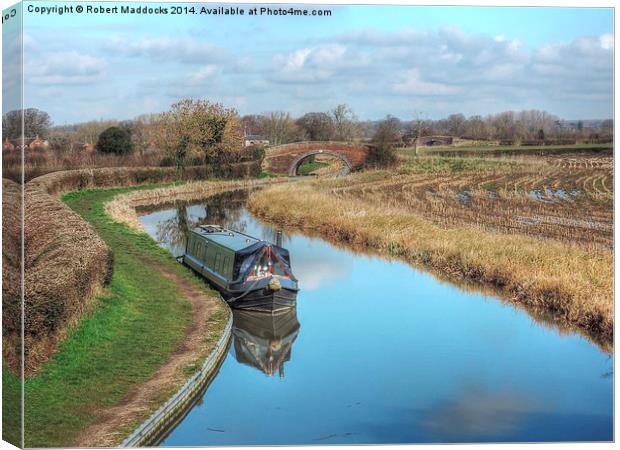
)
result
[(226, 265), (243, 265), (210, 257), (216, 266)]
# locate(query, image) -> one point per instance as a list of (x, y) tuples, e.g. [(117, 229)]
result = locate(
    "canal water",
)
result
[(378, 352)]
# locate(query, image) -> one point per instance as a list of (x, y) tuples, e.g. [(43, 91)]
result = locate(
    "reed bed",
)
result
[(572, 283)]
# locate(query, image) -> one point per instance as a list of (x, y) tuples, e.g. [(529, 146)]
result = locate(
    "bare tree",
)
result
[(143, 131), (532, 121), (318, 126), (415, 131), (252, 124), (476, 128), (456, 124), (504, 125), (388, 131), (88, 132), (280, 128), (36, 123), (346, 125)]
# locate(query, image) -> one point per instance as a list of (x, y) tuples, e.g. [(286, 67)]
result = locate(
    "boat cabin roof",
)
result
[(233, 240)]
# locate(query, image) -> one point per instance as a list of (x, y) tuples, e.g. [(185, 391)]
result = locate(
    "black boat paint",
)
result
[(250, 273)]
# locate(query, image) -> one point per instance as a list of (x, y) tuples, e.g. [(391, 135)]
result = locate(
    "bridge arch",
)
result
[(285, 159), (292, 170)]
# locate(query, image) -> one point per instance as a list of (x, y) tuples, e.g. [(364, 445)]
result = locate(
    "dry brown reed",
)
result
[(570, 203), (11, 272), (37, 163)]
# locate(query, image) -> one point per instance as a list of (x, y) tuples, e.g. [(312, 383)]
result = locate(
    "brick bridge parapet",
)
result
[(285, 159)]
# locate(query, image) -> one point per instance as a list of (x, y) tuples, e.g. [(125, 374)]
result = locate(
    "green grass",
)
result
[(267, 174), (139, 320), (310, 166), (439, 164), (11, 408), (524, 149)]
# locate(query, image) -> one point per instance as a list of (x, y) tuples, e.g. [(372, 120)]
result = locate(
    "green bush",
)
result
[(167, 161), (254, 153), (115, 140)]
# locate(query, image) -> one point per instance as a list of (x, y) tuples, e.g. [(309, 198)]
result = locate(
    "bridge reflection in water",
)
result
[(264, 341)]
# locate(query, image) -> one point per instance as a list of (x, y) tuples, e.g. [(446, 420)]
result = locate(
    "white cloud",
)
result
[(376, 72), (203, 74), (607, 41), (412, 84), (68, 68), (165, 48), (321, 63)]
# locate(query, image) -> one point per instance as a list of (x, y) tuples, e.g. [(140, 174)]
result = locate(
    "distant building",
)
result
[(8, 146), (80, 147), (38, 144), (254, 139), (27, 144)]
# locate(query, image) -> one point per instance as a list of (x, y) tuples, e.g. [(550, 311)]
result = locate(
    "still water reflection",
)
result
[(264, 341), (378, 352)]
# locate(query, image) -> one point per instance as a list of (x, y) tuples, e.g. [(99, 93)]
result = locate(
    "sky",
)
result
[(399, 60)]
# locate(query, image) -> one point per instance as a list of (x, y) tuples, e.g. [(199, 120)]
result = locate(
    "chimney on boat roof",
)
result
[(212, 228)]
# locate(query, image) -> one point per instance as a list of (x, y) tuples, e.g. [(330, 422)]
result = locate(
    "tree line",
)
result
[(199, 130), (341, 124)]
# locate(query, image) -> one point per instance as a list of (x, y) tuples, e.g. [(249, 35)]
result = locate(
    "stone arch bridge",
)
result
[(285, 159)]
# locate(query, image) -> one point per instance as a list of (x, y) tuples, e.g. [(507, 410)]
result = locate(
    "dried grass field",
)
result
[(569, 198)]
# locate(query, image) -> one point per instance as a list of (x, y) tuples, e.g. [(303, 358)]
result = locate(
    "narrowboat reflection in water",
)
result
[(264, 341), (251, 274)]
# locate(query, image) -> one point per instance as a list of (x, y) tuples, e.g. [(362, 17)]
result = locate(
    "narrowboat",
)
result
[(250, 273)]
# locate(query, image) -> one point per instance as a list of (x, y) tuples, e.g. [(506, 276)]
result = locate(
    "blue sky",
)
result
[(378, 59)]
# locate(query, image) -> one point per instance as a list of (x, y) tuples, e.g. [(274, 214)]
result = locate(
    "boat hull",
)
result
[(250, 295), (264, 300)]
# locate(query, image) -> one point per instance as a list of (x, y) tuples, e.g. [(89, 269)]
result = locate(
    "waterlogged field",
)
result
[(565, 197)]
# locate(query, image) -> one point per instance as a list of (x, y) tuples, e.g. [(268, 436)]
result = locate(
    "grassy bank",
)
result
[(11, 408), (575, 284), (310, 166), (140, 320), (481, 150)]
